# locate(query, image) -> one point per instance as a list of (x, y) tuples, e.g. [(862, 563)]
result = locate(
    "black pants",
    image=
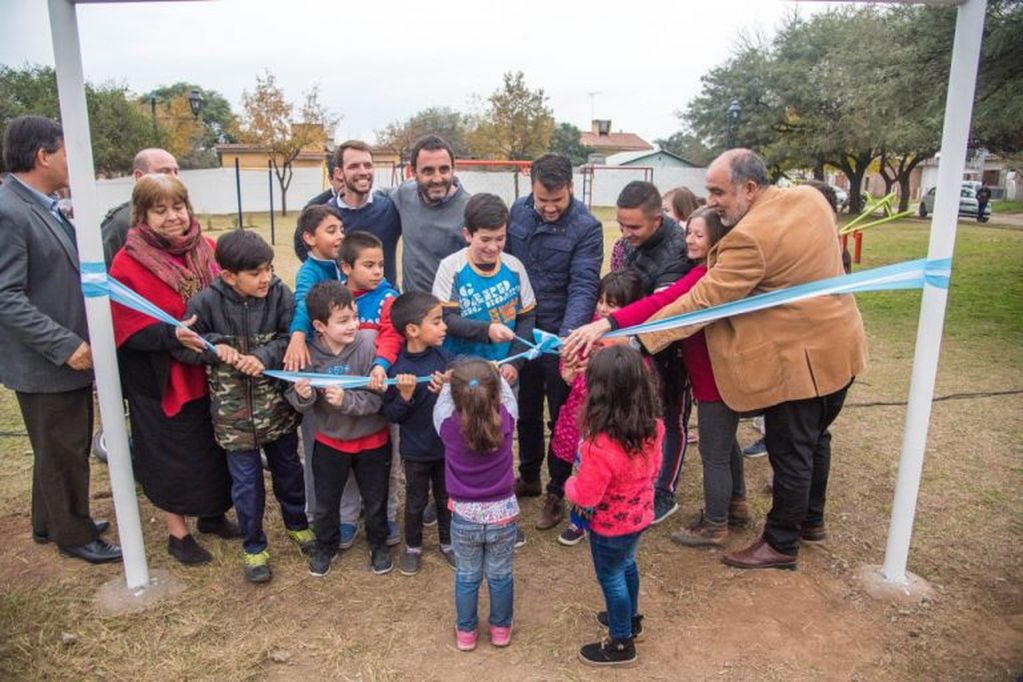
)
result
[(418, 477), (59, 427), (538, 379), (372, 469), (559, 470), (799, 447)]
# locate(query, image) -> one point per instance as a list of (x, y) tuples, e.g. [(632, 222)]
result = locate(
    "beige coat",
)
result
[(788, 352)]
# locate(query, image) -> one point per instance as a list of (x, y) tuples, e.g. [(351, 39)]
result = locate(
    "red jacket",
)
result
[(618, 486), (694, 348)]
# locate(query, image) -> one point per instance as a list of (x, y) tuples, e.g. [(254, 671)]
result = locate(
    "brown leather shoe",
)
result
[(759, 555), (525, 488), (703, 533), (739, 512), (813, 533), (551, 513)]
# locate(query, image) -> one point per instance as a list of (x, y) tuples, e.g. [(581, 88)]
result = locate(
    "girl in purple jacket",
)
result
[(475, 416)]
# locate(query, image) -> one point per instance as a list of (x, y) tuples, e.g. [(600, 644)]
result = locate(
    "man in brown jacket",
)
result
[(795, 361)]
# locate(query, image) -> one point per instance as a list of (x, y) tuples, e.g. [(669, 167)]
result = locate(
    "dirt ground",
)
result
[(703, 620)]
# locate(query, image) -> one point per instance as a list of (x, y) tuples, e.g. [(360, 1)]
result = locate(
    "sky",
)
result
[(635, 63)]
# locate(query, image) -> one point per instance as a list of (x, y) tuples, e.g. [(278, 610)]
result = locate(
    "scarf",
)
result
[(193, 268)]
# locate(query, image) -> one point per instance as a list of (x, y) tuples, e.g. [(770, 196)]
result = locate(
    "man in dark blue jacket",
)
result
[(562, 247)]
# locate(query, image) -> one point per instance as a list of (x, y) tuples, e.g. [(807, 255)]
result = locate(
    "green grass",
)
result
[(1007, 206)]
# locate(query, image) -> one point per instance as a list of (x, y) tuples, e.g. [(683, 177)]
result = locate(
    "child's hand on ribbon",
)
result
[(377, 377), (249, 364), (407, 386), (438, 380), (334, 395), (227, 354), (303, 389)]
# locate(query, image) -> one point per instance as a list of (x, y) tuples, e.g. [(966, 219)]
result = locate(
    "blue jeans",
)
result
[(249, 495), (483, 550), (614, 562)]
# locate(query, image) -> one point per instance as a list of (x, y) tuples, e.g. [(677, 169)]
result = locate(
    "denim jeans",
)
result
[(614, 562), (249, 494), (483, 550)]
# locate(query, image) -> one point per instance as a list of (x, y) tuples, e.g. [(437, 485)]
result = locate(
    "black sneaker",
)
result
[(410, 563), (380, 560), (609, 652), (319, 565), (572, 535), (187, 550), (220, 526), (520, 539), (637, 624), (664, 506)]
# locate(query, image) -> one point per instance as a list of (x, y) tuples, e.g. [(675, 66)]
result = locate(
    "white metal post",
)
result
[(958, 109), (77, 140)]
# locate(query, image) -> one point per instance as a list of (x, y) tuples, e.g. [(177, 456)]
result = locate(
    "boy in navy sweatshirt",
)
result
[(418, 317)]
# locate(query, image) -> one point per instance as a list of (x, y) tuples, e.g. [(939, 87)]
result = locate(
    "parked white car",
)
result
[(967, 200)]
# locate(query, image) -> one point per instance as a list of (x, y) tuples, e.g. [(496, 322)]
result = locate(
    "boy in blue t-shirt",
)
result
[(486, 295)]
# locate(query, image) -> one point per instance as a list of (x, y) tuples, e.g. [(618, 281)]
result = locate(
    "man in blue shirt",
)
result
[(561, 245)]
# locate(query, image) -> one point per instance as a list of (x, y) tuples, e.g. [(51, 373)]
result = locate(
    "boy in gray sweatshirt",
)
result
[(351, 435)]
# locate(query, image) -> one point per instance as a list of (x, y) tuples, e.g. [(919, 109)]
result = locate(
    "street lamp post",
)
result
[(733, 121), (195, 102)]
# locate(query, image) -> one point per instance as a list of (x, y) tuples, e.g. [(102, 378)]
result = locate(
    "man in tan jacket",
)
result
[(794, 362)]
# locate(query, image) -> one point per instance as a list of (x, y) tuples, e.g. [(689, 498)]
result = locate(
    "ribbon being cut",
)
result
[(908, 275)]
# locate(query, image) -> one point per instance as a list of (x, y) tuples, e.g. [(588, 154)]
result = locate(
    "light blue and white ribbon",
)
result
[(543, 342), (909, 275), (327, 380), (96, 282)]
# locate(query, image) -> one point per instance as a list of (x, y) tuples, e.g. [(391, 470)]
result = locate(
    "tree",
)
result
[(118, 127), (443, 121), (516, 123), (565, 140), (998, 108), (269, 122), (216, 122), (687, 145)]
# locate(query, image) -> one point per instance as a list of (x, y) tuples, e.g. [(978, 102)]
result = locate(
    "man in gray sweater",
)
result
[(432, 207)]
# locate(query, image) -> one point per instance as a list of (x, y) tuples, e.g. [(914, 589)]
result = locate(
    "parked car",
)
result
[(841, 198), (967, 200)]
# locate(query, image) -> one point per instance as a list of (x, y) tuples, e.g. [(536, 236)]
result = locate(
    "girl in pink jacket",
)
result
[(614, 489)]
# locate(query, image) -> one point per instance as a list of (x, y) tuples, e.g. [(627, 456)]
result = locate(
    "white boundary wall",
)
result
[(213, 190)]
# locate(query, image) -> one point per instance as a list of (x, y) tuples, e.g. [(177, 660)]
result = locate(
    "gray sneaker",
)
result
[(410, 563), (664, 506), (380, 560), (449, 556)]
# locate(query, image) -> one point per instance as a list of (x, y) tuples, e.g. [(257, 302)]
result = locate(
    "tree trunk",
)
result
[(855, 167)]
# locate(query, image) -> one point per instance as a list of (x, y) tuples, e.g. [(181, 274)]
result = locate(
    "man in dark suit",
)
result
[(47, 360)]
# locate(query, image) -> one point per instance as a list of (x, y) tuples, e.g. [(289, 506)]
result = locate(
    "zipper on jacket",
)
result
[(244, 343)]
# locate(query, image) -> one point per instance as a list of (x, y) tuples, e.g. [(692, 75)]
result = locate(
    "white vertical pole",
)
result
[(77, 140), (958, 108)]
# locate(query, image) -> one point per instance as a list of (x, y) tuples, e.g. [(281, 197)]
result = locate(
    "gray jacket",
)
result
[(359, 413), (42, 312)]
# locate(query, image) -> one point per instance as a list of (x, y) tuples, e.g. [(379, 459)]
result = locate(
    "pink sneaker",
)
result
[(500, 636), (465, 641)]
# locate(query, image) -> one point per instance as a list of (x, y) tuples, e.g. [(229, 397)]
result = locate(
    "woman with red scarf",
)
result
[(181, 468)]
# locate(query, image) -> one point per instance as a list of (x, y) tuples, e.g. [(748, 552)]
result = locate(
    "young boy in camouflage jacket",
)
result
[(245, 315)]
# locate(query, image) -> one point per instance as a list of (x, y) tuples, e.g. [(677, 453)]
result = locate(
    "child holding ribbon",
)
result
[(614, 489)]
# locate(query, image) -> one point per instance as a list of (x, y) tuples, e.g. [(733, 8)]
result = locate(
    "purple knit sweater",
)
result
[(471, 476)]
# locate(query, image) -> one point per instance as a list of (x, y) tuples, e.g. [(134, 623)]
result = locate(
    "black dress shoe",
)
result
[(102, 526), (95, 552), (220, 526)]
